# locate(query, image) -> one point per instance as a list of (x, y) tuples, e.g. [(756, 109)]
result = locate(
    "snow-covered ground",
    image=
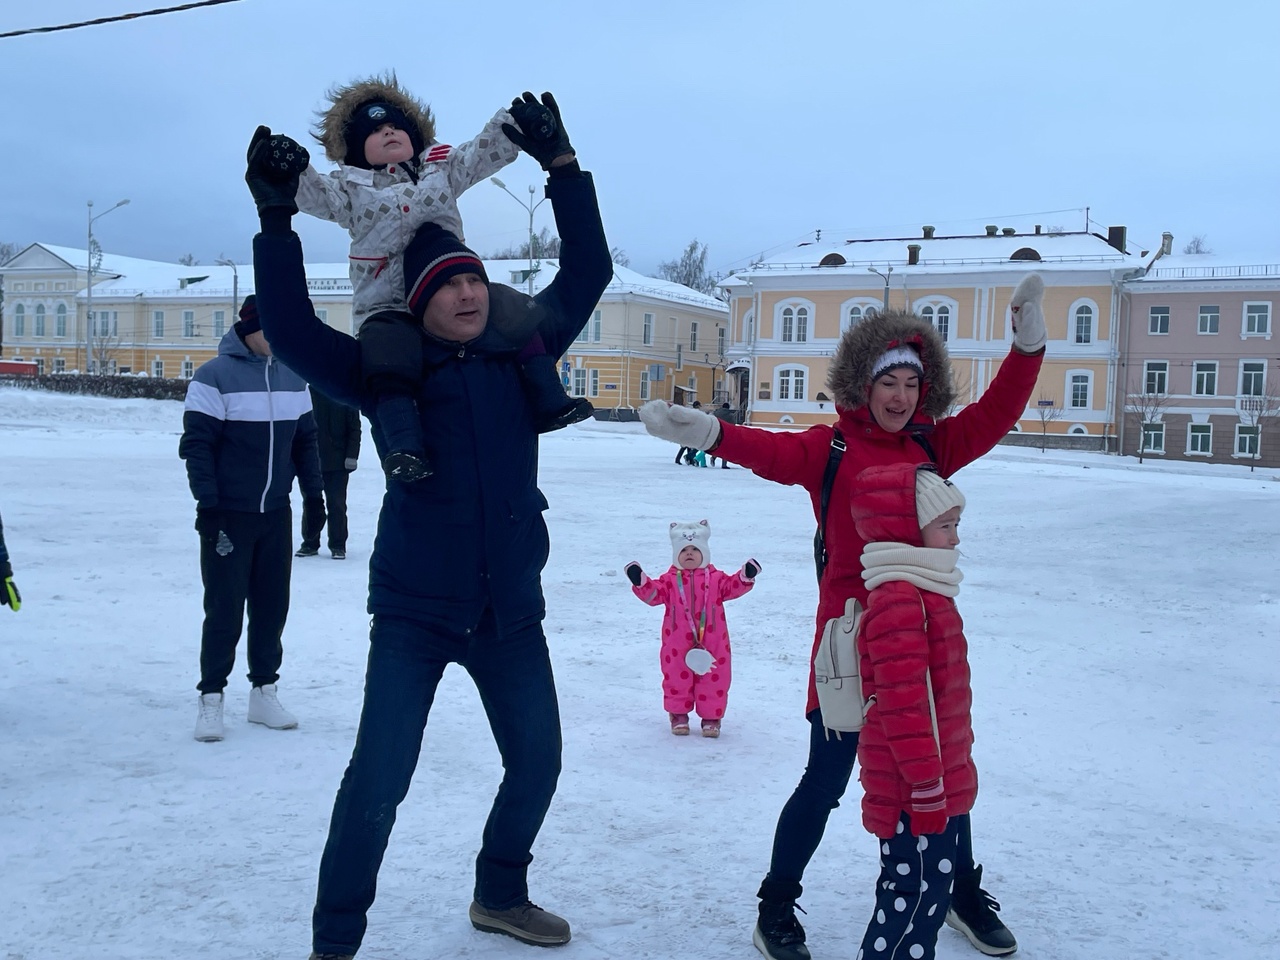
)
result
[(1125, 632)]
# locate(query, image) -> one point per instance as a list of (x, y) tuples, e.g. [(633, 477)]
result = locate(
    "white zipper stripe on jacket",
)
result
[(271, 437)]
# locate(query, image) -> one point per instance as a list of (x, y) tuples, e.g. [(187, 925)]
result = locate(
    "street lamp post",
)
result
[(885, 277), (530, 206), (235, 286), (92, 255)]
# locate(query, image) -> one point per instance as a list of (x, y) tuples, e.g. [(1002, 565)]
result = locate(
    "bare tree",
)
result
[(1047, 411), (690, 268), (1055, 230), (9, 250), (1197, 245), (104, 343), (620, 257), (188, 260), (1259, 411), (1148, 406), (543, 244)]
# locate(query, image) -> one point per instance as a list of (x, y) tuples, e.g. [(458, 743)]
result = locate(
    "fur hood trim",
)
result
[(849, 376), (331, 124)]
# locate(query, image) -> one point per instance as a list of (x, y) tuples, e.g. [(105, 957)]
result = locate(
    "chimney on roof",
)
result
[(928, 232), (913, 254), (1037, 229), (1008, 231), (1166, 243), (992, 229), (1116, 237)]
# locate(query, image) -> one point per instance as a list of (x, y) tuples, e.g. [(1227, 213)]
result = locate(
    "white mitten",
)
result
[(683, 425), (1027, 306)]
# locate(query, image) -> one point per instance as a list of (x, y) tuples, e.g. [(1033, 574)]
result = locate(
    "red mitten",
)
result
[(928, 808)]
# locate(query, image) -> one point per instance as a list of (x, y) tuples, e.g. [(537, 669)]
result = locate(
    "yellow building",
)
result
[(788, 311)]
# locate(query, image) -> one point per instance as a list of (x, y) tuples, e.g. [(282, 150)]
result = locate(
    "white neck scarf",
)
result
[(928, 568)]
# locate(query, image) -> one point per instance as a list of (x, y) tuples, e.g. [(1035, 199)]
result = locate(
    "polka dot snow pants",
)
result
[(684, 691), (912, 894)]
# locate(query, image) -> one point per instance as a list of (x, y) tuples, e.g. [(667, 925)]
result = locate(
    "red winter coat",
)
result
[(909, 633), (801, 458)]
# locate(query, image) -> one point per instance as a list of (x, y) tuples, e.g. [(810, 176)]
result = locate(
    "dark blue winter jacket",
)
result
[(247, 429), (472, 534)]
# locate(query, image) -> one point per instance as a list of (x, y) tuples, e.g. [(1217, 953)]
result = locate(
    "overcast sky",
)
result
[(744, 124)]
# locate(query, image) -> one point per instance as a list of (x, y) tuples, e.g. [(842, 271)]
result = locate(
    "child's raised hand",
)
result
[(541, 132), (634, 573), (275, 162), (751, 568)]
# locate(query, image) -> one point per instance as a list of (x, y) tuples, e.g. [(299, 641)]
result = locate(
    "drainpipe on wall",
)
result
[(1122, 368)]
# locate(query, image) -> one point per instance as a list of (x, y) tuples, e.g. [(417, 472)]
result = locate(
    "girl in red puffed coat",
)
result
[(917, 771), (697, 664)]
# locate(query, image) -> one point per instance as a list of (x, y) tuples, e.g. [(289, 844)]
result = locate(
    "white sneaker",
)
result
[(209, 721), (264, 708)]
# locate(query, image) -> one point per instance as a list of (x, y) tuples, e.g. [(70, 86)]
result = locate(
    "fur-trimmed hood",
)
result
[(331, 125), (849, 376)]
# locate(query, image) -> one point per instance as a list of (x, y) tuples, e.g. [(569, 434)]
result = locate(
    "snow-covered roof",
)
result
[(963, 254), (625, 282), (1200, 266)]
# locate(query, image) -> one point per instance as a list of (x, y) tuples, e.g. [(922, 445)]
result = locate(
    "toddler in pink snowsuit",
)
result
[(696, 659)]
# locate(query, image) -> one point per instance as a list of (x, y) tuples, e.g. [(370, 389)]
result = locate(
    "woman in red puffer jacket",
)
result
[(917, 769)]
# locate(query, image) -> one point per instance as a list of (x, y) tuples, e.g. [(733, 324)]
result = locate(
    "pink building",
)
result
[(1199, 375)]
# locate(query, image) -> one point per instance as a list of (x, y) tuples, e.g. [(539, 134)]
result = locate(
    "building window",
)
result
[(791, 383), (579, 382), (584, 335), (595, 383), (19, 321), (856, 314), (679, 356), (693, 336), (188, 323), (596, 324), (1153, 438), (644, 384), (1200, 439), (39, 324), (104, 323), (938, 317), (795, 324), (1158, 320), (1206, 378), (60, 321), (1253, 375), (219, 323), (1156, 377), (59, 365), (719, 341), (1257, 319), (157, 368), (157, 324), (1246, 441), (1080, 390), (647, 335), (1208, 322), (188, 369), (1084, 324), (39, 366)]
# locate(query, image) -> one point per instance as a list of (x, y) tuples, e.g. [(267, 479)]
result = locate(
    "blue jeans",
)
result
[(804, 816), (406, 661)]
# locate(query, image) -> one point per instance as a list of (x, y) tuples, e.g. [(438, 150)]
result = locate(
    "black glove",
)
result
[(751, 568), (313, 518), (634, 573), (275, 162), (9, 595), (541, 134), (208, 522)]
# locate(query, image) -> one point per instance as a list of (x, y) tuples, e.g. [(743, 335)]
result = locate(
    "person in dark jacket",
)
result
[(338, 433), (9, 595), (455, 575), (247, 429)]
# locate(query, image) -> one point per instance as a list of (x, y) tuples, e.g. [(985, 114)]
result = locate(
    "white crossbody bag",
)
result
[(837, 674)]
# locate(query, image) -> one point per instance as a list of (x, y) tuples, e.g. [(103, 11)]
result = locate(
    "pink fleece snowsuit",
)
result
[(695, 603)]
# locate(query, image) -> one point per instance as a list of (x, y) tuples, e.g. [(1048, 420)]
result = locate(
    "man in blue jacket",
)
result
[(246, 430), (455, 575)]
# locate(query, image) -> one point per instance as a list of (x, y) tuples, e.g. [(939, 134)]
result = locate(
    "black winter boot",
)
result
[(973, 913), (778, 934)]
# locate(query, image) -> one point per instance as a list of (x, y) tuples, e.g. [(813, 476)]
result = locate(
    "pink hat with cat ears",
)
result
[(690, 534)]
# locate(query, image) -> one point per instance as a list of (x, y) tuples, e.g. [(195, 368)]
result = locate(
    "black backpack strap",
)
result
[(921, 439), (824, 499)]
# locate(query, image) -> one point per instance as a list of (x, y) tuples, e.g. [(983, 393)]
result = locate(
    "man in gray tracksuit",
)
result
[(247, 429)]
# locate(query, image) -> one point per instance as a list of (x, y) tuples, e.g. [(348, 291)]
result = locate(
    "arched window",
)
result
[(1078, 430), (39, 324), (791, 321), (19, 321), (792, 383), (853, 312), (1082, 318), (60, 321), (939, 313)]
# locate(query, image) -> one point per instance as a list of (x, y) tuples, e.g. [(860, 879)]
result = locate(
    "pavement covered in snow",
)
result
[(1124, 624)]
